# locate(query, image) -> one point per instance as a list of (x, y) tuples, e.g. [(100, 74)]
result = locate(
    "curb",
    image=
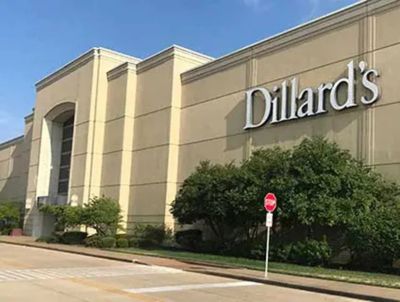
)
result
[(220, 274), (298, 286), (52, 248)]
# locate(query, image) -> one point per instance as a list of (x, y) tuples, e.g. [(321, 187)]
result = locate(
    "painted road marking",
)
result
[(189, 287), (7, 275)]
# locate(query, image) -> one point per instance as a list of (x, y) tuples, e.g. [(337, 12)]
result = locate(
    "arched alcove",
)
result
[(54, 162)]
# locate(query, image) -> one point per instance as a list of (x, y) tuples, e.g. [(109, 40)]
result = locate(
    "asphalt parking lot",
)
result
[(30, 274)]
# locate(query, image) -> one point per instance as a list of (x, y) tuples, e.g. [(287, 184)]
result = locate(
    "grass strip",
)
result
[(369, 278)]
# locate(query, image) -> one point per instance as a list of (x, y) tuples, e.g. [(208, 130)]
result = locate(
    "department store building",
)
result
[(113, 124)]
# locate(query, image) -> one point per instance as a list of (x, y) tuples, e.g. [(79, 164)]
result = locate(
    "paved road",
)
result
[(33, 275)]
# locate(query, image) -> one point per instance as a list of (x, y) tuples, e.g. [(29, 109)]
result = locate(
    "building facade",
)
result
[(112, 124)]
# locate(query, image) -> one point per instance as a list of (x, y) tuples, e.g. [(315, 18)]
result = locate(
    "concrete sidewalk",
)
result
[(357, 291)]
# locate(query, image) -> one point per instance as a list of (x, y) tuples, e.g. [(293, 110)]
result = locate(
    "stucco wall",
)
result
[(213, 104), (14, 163), (156, 133)]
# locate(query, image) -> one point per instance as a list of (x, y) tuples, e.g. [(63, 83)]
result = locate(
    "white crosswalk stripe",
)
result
[(8, 275), (190, 287)]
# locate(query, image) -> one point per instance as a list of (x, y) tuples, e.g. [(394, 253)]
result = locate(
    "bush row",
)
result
[(143, 236), (308, 252), (102, 214), (328, 202)]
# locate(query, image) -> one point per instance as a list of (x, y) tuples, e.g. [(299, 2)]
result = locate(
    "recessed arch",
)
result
[(61, 112), (56, 151)]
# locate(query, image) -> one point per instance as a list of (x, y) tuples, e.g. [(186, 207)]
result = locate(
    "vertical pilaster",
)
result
[(127, 143), (251, 81), (367, 120), (370, 112), (88, 185)]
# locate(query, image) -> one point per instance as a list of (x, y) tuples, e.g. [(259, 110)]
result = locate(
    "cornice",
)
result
[(169, 53), (29, 118), (120, 70), (112, 54), (294, 35), (193, 55), (11, 142), (67, 68), (82, 60)]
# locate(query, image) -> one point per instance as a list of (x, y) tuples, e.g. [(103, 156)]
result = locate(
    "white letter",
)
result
[(308, 104), (350, 90), (274, 107), (284, 102), (249, 107), (321, 97), (293, 99), (371, 86)]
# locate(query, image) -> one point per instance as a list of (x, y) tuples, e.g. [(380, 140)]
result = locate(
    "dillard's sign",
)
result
[(277, 108)]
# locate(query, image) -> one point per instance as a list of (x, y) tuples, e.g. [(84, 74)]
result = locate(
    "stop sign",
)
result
[(270, 202)]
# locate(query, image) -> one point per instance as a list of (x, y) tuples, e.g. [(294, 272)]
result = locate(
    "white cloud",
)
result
[(259, 5)]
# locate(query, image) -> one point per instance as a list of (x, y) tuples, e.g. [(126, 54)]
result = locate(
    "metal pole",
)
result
[(266, 254)]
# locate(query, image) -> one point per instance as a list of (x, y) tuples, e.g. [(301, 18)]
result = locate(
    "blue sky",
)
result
[(37, 37)]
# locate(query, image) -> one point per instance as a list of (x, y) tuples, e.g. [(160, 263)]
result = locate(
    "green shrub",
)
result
[(280, 252), (104, 215), (310, 252), (374, 239), (122, 243), (133, 242), (10, 217), (222, 197), (148, 235), (100, 213), (93, 241), (189, 239), (238, 249), (65, 215), (323, 192), (49, 239), (107, 242), (73, 237)]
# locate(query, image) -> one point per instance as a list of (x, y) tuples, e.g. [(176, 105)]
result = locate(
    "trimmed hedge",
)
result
[(122, 243), (93, 241), (73, 237), (49, 239), (189, 239), (310, 252), (107, 242), (148, 235)]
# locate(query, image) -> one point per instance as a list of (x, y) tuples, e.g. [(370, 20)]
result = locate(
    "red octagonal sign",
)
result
[(270, 202)]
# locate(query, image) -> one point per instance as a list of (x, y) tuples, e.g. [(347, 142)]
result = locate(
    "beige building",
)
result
[(112, 124)]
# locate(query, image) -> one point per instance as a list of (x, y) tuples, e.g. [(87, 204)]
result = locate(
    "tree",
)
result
[(65, 216), (206, 196), (322, 191), (374, 236), (102, 214), (267, 170), (330, 188), (229, 198), (10, 214)]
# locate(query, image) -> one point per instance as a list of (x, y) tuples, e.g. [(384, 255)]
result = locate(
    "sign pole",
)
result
[(270, 206), (267, 253)]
